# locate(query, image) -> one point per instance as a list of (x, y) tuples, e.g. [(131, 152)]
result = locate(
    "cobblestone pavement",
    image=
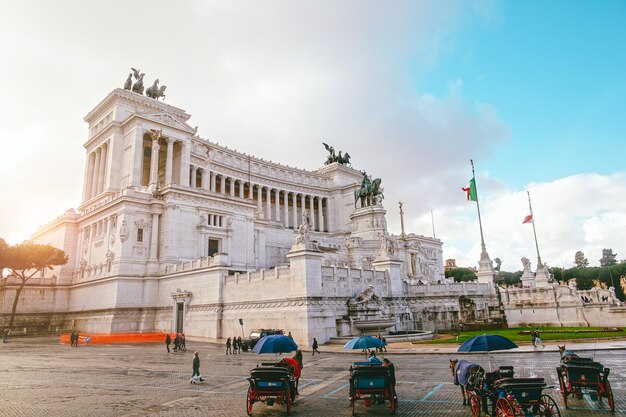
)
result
[(39, 377)]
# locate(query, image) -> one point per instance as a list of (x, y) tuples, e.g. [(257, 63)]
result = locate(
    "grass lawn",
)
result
[(547, 334)]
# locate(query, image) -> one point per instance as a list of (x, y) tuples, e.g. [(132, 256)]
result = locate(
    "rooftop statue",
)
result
[(138, 85), (370, 192), (526, 264), (129, 82), (154, 91), (332, 157)]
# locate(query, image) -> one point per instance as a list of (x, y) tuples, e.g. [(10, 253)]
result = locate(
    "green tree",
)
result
[(27, 259), (608, 257), (461, 274), (580, 261), (511, 278), (3, 250)]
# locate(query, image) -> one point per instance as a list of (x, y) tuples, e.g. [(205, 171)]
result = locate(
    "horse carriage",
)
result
[(578, 376), (499, 390), (522, 397), (371, 383), (271, 383)]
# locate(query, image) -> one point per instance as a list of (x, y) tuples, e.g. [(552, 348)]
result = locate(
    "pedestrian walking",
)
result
[(182, 346), (176, 342), (168, 341), (314, 346), (228, 350), (5, 335), (239, 345), (195, 375), (537, 339)]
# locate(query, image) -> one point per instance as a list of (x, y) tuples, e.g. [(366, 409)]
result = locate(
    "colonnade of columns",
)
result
[(280, 205), (95, 179)]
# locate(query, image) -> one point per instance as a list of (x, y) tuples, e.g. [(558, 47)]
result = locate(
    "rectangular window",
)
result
[(214, 246), (139, 235)]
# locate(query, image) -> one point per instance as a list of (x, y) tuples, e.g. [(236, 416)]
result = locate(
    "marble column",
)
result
[(154, 163), (268, 203), (223, 184), (294, 213), (213, 178), (241, 189), (232, 186), (303, 204), (185, 159), (320, 224), (103, 164), (169, 158), (194, 176), (259, 199), (137, 168), (286, 209), (96, 171), (91, 161), (312, 212), (204, 182), (277, 201)]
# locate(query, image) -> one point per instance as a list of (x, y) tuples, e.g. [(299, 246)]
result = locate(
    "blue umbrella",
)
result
[(486, 343), (363, 342), (275, 343)]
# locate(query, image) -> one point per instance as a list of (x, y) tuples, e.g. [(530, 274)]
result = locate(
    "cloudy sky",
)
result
[(534, 92)]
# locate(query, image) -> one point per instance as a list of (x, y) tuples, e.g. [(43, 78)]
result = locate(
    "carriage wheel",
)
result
[(608, 392), (504, 408), (475, 404), (563, 389), (249, 401), (548, 408)]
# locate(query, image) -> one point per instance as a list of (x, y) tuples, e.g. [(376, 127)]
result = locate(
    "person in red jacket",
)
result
[(294, 364)]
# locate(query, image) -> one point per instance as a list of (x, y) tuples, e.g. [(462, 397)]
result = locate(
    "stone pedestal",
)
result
[(368, 223), (393, 266), (306, 267), (541, 278), (486, 274)]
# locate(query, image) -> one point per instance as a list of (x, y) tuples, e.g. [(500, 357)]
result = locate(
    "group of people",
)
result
[(234, 345), (179, 342), (74, 339)]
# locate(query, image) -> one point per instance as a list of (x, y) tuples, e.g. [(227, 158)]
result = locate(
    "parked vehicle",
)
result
[(256, 335)]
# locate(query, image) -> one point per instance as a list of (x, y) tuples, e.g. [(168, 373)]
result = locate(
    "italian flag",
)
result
[(470, 192), (528, 219)]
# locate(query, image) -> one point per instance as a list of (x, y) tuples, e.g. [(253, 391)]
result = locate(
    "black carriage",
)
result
[(372, 384), (578, 376), (481, 391), (524, 397), (270, 384)]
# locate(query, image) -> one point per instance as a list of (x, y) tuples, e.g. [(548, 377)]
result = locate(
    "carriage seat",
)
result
[(269, 373), (520, 383), (370, 371), (582, 362)]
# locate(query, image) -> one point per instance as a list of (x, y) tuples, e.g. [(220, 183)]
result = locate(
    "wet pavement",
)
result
[(40, 377)]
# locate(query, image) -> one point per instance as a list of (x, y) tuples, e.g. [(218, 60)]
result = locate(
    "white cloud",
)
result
[(291, 75), (580, 212)]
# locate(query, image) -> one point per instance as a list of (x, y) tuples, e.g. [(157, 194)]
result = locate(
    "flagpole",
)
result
[(483, 253), (539, 263)]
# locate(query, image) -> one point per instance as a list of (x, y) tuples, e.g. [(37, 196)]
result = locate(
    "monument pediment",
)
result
[(168, 119)]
